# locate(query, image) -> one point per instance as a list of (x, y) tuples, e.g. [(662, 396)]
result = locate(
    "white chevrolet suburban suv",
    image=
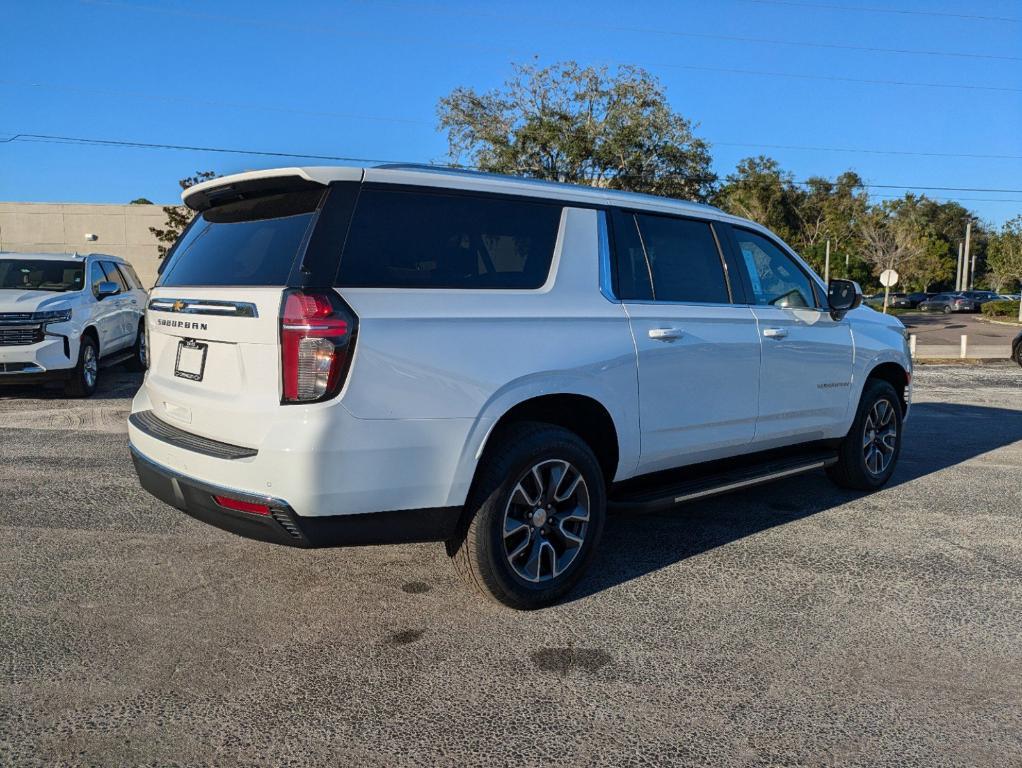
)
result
[(61, 315), (343, 356)]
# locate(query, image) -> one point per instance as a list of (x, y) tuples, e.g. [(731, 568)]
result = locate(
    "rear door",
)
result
[(213, 316), (698, 350), (805, 380)]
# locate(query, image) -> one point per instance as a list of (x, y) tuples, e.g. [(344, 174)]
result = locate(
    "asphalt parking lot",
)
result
[(938, 328), (793, 624)]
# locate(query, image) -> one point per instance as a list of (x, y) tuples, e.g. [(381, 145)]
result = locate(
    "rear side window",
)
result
[(632, 271), (684, 260), (424, 239), (248, 242)]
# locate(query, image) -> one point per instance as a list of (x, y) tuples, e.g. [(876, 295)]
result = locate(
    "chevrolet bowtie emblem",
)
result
[(179, 305)]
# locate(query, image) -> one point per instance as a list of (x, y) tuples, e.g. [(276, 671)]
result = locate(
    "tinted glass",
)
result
[(684, 260), (115, 275), (632, 272), (401, 239), (776, 279), (249, 242), (41, 274)]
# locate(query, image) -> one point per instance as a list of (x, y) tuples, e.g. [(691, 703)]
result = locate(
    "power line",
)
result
[(327, 29), (209, 102), (383, 118), (859, 150), (548, 20), (49, 138), (898, 11)]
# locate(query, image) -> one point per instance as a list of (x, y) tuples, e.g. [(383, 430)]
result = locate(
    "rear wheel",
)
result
[(947, 309), (85, 374), (870, 451), (537, 512), (138, 359)]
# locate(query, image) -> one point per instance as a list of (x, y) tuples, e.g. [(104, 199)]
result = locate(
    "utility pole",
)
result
[(826, 266), (965, 271), (972, 274), (958, 269)]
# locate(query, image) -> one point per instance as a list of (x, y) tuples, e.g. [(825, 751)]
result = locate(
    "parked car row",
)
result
[(947, 302)]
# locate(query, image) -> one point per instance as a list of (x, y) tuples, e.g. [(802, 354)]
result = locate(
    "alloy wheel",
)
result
[(546, 520), (880, 437), (90, 365)]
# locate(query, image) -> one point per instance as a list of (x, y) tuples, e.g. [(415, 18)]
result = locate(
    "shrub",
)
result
[(1001, 309)]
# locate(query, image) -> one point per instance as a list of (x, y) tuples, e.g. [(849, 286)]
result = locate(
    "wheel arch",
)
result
[(895, 375), (90, 330), (582, 414)]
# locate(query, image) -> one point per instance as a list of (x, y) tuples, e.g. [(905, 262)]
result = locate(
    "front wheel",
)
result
[(870, 450), (85, 375), (537, 512)]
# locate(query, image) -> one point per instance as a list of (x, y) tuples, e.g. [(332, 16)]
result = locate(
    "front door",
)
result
[(806, 376), (698, 351)]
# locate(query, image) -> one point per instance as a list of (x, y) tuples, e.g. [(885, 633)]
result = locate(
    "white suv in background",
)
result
[(61, 315), (345, 356)]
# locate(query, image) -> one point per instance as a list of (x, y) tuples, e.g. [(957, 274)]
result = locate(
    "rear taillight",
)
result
[(317, 338)]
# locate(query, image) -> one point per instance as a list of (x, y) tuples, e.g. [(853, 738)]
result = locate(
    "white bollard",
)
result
[(912, 345), (965, 345)]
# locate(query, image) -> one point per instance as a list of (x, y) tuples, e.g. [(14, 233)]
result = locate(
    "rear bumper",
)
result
[(282, 526)]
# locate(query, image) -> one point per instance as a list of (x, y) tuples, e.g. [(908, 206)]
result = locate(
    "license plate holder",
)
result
[(191, 359)]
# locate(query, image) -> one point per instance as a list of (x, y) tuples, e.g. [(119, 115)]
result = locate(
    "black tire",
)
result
[(137, 361), (852, 469), (480, 553), (947, 309), (81, 383)]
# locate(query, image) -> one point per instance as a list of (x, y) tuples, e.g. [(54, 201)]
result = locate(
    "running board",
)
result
[(648, 497), (114, 359)]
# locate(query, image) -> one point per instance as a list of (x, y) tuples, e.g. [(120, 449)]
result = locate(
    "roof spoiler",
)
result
[(203, 196)]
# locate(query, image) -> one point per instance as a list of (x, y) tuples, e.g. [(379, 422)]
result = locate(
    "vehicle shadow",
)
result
[(636, 544), (115, 383)]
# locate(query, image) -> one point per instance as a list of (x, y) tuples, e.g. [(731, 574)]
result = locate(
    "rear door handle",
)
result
[(665, 334), (775, 333)]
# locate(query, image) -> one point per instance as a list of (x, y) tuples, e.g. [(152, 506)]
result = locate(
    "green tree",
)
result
[(1004, 255), (584, 125), (141, 201), (760, 190), (178, 216)]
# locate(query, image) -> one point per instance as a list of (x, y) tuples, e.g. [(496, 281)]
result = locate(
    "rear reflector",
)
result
[(241, 506), (317, 332)]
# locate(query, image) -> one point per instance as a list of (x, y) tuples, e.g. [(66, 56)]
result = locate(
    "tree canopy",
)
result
[(178, 216), (615, 128), (583, 125)]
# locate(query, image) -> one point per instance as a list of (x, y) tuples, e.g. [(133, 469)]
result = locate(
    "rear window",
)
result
[(424, 239), (248, 242)]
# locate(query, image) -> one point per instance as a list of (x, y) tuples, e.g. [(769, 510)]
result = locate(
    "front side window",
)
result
[(115, 276), (683, 259), (776, 279), (41, 275), (426, 239)]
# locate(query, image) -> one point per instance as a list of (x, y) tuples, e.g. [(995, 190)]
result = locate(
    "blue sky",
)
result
[(361, 79)]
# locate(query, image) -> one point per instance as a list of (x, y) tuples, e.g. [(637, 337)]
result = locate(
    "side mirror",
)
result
[(107, 288), (843, 295)]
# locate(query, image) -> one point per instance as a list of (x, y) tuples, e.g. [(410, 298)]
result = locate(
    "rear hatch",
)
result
[(214, 317)]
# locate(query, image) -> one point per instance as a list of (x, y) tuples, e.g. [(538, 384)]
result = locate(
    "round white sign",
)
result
[(888, 278)]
